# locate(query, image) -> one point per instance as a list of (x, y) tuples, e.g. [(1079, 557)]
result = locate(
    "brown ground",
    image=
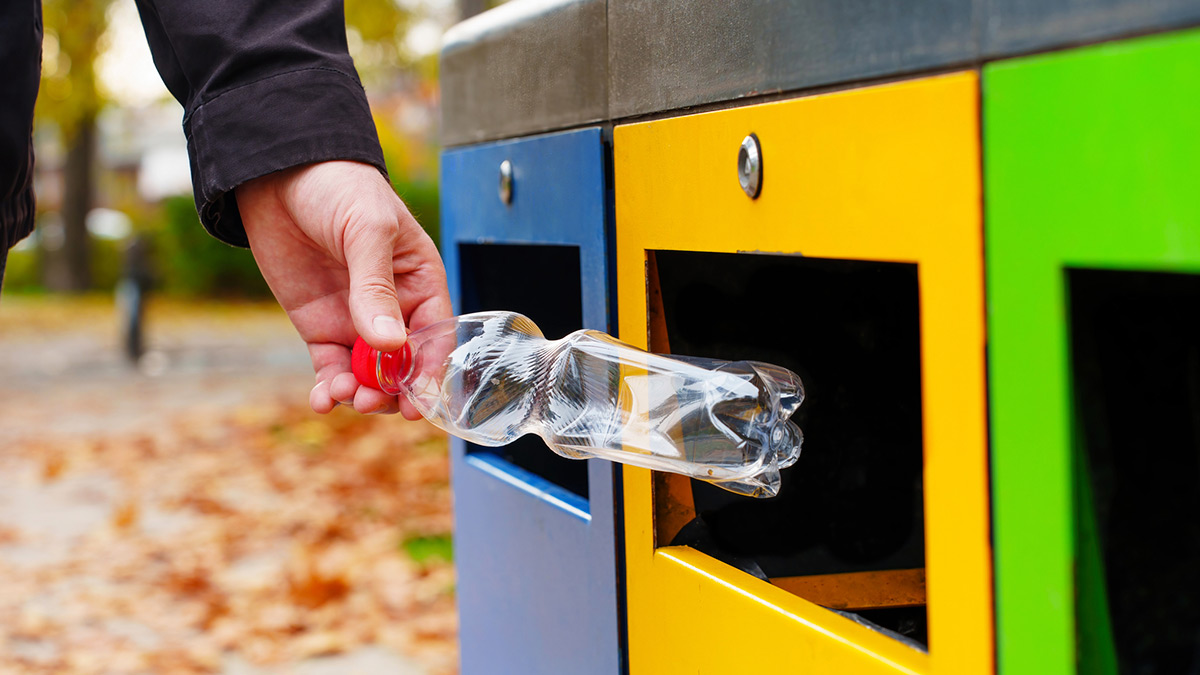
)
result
[(194, 516)]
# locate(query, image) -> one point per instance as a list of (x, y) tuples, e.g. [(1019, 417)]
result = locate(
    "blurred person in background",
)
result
[(285, 160)]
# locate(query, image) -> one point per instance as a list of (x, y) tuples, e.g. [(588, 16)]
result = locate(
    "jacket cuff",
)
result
[(276, 123)]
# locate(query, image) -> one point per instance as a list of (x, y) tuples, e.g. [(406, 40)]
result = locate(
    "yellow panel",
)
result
[(887, 173)]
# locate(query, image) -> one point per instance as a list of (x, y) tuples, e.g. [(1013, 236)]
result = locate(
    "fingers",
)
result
[(336, 384), (343, 387), (347, 391), (420, 277), (408, 410), (374, 308), (370, 401), (434, 306), (364, 400), (320, 400)]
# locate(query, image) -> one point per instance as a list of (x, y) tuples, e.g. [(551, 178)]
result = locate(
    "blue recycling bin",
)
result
[(526, 227)]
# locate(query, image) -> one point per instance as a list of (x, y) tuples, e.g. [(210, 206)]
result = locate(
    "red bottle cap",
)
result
[(394, 365), (362, 361)]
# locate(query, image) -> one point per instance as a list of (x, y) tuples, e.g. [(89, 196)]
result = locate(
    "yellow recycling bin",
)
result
[(838, 234)]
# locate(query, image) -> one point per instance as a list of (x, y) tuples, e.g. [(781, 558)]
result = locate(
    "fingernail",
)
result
[(388, 327)]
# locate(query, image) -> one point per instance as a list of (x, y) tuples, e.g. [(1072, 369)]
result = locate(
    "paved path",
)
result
[(62, 377), (62, 369)]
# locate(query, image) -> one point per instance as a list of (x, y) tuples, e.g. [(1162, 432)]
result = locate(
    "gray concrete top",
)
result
[(666, 54), (537, 65), (1018, 26), (525, 66)]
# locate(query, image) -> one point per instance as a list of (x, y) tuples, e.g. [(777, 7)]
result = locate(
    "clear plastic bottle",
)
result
[(492, 377)]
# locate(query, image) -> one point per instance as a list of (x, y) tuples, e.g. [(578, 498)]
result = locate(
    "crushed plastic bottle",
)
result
[(491, 377)]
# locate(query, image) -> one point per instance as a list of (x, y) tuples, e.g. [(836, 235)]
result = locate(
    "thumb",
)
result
[(373, 304)]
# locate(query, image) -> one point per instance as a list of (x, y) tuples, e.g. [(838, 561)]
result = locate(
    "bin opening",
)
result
[(542, 282), (1135, 355), (847, 529)]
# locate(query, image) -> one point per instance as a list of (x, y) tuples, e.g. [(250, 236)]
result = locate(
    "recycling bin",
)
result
[(525, 227), (803, 183), (847, 246), (1093, 279)]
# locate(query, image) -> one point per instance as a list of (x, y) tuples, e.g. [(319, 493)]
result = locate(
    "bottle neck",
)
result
[(393, 369)]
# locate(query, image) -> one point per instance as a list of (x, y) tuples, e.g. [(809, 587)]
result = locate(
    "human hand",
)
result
[(343, 256)]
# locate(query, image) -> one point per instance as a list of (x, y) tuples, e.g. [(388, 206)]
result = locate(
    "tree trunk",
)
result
[(69, 268)]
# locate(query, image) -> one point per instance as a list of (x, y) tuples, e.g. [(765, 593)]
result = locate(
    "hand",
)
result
[(343, 256)]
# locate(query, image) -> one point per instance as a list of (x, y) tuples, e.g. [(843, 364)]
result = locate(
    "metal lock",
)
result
[(506, 182), (750, 168)]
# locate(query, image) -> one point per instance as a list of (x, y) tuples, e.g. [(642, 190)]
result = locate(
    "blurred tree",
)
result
[(76, 33), (375, 31), (193, 264), (70, 100)]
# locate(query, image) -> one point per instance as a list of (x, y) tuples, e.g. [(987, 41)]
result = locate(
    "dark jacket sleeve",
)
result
[(20, 70), (265, 85)]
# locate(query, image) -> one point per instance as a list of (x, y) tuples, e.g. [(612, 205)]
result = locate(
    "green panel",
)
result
[(1090, 160)]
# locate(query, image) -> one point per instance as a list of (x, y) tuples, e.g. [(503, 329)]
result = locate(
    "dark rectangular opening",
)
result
[(543, 283), (1135, 357), (853, 503)]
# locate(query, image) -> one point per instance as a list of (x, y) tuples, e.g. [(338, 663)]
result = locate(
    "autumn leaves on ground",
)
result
[(160, 523)]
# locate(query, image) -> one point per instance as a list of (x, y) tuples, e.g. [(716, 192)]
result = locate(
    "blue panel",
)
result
[(537, 564)]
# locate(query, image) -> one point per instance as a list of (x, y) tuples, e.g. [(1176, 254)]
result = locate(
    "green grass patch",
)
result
[(430, 549)]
